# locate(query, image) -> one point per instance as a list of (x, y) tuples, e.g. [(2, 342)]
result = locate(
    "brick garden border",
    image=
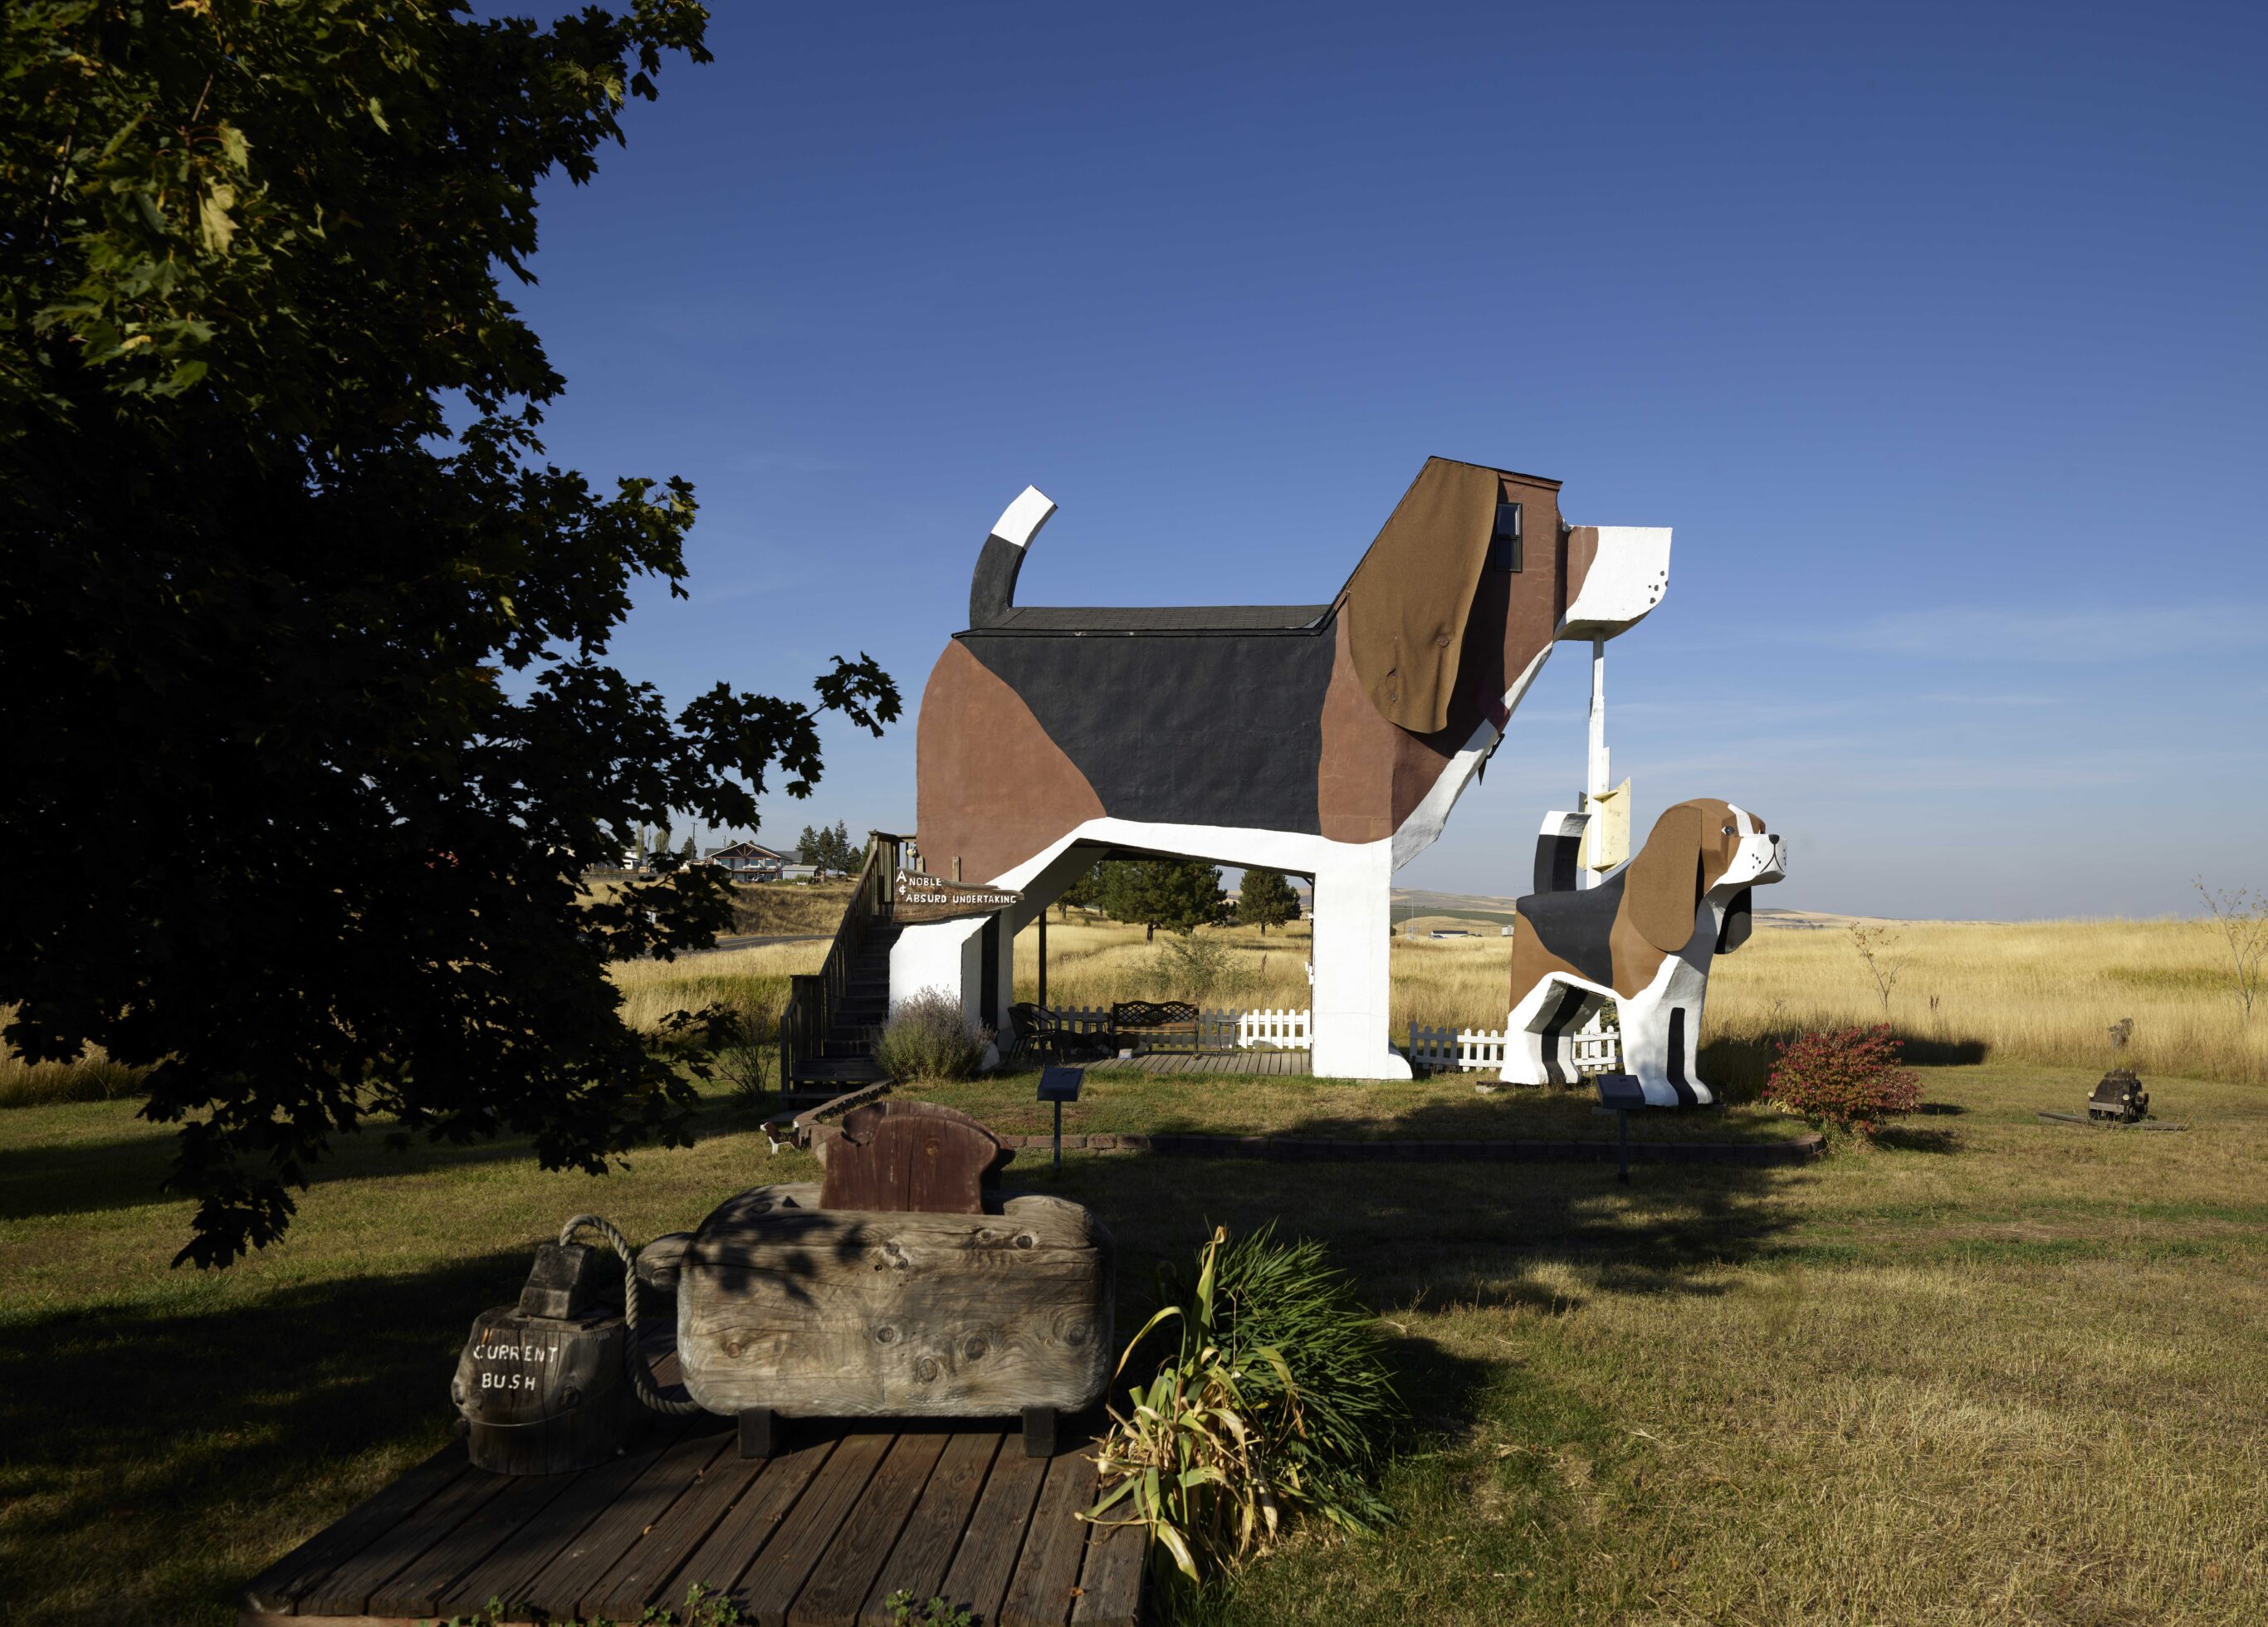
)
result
[(1302, 1149)]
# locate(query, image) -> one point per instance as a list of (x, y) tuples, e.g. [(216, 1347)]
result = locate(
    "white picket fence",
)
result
[(1598, 1049), (1455, 1050), (1273, 1030), (1217, 1029)]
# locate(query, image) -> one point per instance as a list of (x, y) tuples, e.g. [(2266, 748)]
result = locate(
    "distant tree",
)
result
[(688, 852), (840, 855), (1878, 950), (1083, 893), (1266, 900), (829, 848), (1180, 895), (2241, 918), (290, 593), (660, 839)]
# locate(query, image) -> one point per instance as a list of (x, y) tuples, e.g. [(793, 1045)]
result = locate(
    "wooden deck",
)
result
[(822, 1533), (1279, 1064)]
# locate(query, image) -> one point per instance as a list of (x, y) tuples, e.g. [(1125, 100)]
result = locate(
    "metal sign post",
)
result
[(1618, 1094), (1059, 1085)]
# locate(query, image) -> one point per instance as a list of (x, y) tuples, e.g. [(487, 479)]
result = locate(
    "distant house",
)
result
[(750, 861)]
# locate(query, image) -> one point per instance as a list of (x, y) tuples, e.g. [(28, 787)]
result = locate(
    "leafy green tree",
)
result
[(1180, 895), (808, 847), (1086, 893), (1265, 899), (660, 839), (688, 852), (293, 604)]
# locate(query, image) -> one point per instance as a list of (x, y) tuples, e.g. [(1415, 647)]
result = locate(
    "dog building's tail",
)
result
[(992, 590)]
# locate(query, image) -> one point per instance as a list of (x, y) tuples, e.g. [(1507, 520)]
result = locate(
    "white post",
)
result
[(1597, 782)]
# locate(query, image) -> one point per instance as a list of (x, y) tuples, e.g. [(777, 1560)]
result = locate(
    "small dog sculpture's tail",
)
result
[(1559, 851), (992, 590)]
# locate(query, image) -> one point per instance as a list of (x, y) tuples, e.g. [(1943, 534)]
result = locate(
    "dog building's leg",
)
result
[(1353, 944), (941, 954)]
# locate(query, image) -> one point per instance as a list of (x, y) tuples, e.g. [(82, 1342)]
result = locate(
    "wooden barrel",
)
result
[(785, 1306), (541, 1397)]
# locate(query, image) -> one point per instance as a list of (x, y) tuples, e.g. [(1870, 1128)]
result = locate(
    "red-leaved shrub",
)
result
[(1848, 1077)]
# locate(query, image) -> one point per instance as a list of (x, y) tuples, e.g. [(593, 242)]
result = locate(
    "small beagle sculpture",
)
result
[(1643, 938)]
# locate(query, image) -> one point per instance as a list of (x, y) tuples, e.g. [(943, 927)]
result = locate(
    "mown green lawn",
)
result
[(1998, 1370)]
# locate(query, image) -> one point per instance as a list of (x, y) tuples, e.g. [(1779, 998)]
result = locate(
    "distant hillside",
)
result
[(1477, 908), (1409, 901)]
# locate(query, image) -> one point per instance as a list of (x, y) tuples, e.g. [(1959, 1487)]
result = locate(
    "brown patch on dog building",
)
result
[(1354, 779), (994, 789), (1410, 597)]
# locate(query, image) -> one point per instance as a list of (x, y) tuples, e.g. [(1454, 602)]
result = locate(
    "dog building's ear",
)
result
[(1739, 922), (1663, 891), (1408, 600)]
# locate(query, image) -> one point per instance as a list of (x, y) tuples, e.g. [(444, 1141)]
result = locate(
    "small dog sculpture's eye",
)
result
[(1730, 831)]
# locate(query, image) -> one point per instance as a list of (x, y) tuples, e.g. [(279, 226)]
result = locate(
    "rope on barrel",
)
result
[(634, 1353)]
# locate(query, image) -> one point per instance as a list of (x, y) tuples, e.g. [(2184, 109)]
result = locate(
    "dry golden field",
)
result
[(1965, 992), (2040, 991)]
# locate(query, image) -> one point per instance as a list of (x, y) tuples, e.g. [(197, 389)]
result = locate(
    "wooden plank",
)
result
[(899, 1155), (847, 1570), (924, 1550), (767, 1587), (1110, 1577), (416, 1588), (736, 1539), (979, 1573), (1040, 1592), (824, 1313), (291, 1577), (645, 1572), (346, 1590), (505, 1574), (583, 1568)]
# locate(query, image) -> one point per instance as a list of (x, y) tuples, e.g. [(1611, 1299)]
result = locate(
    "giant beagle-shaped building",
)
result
[(1327, 740)]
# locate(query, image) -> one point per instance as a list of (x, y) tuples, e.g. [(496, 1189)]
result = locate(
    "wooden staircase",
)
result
[(835, 1016), (845, 1054)]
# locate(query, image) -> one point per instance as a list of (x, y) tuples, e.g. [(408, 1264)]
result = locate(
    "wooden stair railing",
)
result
[(816, 997)]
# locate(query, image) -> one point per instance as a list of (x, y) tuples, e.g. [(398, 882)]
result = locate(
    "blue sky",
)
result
[(1938, 334)]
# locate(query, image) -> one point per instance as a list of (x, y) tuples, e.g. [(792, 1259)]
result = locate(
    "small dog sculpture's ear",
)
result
[(1738, 922), (1664, 889)]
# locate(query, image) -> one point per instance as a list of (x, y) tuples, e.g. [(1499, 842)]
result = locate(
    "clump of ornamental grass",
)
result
[(1849, 1077), (1270, 1405), (929, 1037)]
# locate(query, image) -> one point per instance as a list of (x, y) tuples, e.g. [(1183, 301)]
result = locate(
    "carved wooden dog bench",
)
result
[(900, 1285)]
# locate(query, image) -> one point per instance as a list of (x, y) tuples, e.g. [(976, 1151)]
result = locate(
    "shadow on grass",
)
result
[(1535, 1237), (140, 1425), (1912, 1138), (1737, 1067), (129, 1171)]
